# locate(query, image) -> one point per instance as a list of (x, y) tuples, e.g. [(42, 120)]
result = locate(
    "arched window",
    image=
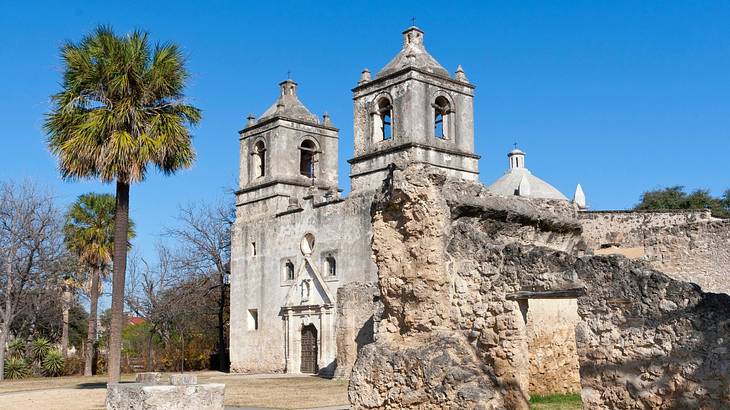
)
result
[(306, 158), (289, 270), (441, 110), (383, 120), (331, 265), (259, 157)]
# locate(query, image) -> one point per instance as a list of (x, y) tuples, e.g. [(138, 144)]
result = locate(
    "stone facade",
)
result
[(686, 245), (295, 242)]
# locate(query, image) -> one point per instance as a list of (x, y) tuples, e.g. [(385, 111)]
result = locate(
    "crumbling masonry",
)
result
[(456, 265)]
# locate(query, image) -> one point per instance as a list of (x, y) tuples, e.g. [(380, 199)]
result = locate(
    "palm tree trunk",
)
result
[(91, 334), (3, 340), (121, 227), (66, 309), (221, 323)]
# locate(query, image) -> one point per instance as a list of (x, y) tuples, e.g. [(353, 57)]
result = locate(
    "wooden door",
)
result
[(309, 349)]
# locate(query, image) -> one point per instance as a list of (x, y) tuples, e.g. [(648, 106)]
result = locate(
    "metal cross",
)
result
[(288, 75), (413, 21), (515, 145)]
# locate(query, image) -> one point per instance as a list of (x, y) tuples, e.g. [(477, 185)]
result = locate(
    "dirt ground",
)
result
[(269, 391), (259, 391)]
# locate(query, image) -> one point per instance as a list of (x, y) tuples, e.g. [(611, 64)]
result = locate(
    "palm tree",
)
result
[(120, 110), (89, 233)]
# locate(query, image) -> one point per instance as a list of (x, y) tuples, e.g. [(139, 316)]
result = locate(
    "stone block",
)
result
[(185, 394), (148, 378), (183, 379)]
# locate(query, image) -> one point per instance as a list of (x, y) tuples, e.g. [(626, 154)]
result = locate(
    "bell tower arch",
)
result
[(413, 111), (286, 154)]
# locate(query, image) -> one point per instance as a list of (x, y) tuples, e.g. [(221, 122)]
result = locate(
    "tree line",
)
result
[(55, 262), (676, 197)]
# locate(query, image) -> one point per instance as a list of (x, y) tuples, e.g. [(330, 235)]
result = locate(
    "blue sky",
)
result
[(618, 96)]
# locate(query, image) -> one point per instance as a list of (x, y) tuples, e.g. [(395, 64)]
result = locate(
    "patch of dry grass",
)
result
[(283, 392), (556, 402)]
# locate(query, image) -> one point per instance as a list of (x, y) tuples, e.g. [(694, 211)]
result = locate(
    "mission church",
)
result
[(296, 241)]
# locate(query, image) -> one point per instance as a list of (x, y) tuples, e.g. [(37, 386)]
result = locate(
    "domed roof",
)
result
[(509, 184), (289, 106), (413, 54), (518, 180)]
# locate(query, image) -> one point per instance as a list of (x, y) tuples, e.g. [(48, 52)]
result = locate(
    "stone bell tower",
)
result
[(286, 154), (413, 111)]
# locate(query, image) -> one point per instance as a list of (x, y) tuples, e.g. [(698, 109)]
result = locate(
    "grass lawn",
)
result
[(556, 402)]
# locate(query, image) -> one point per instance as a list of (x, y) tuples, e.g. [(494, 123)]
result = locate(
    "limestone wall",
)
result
[(554, 364), (648, 341), (457, 280), (686, 245), (448, 337), (358, 304)]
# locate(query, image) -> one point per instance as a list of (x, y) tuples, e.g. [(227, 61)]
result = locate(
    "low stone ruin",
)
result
[(181, 393), (358, 306), (457, 266)]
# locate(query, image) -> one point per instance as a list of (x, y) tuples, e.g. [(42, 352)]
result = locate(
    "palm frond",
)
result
[(121, 109)]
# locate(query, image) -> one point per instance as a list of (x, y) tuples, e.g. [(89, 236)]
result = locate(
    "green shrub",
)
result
[(39, 348), (16, 348), (52, 364), (16, 368)]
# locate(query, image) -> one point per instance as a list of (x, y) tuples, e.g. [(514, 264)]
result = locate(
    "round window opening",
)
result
[(307, 244)]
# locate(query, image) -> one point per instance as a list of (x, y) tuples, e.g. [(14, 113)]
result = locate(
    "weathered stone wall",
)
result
[(453, 268), (554, 364), (358, 306), (648, 341), (686, 245), (436, 244)]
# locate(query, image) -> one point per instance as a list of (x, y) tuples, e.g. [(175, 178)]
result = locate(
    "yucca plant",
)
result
[(16, 368), (39, 348), (53, 363), (16, 348)]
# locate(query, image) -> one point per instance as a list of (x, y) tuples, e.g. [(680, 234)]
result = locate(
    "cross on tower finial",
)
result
[(515, 144), (413, 21), (288, 75)]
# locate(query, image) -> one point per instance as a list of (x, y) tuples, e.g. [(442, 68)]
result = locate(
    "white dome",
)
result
[(509, 185)]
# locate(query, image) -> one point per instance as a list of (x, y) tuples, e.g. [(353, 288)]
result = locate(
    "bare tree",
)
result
[(175, 302), (147, 284), (204, 237), (30, 240)]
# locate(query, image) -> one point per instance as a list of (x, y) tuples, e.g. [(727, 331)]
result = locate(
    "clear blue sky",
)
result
[(618, 96)]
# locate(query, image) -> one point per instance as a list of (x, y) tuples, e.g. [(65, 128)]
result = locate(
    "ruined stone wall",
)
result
[(454, 267), (358, 306), (448, 337), (686, 245), (554, 364)]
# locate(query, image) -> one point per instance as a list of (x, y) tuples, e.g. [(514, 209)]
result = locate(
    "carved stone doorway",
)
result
[(309, 349)]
